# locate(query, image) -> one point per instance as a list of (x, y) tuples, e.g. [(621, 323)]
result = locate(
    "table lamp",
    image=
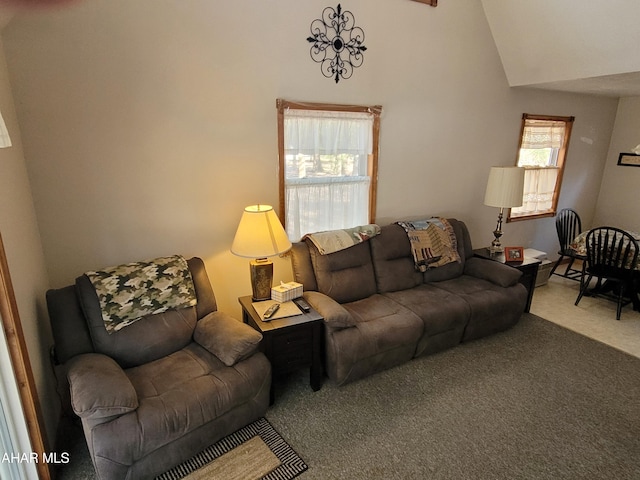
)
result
[(504, 190), (260, 235)]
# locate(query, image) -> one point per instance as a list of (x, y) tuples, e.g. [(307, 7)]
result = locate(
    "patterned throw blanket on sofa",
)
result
[(433, 242), (336, 240), (131, 291)]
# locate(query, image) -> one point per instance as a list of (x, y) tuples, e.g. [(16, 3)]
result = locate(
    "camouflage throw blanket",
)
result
[(433, 242), (336, 240), (131, 291)]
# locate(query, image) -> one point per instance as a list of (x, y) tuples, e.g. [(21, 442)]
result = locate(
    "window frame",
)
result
[(561, 162), (372, 166)]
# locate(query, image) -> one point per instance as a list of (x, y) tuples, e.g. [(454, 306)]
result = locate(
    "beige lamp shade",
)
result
[(505, 187), (260, 234)]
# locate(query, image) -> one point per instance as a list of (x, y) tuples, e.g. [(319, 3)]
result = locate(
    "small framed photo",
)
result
[(513, 254), (629, 160)]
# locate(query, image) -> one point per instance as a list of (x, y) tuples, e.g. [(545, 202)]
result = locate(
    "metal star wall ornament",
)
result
[(337, 44)]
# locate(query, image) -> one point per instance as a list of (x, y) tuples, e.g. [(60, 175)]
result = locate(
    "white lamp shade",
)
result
[(260, 234), (505, 187)]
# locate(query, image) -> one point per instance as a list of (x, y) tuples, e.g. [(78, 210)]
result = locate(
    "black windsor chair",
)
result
[(612, 257), (568, 226)]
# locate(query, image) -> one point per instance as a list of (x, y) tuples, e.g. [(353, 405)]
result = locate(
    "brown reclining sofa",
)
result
[(379, 311)]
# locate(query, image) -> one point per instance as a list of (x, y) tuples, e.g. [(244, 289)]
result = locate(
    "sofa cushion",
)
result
[(393, 262), (440, 310), (492, 308), (385, 334), (166, 414), (149, 339), (444, 316), (227, 338), (345, 276), (380, 308)]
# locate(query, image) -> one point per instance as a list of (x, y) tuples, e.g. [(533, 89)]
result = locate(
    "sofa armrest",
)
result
[(495, 272), (227, 338), (335, 315), (99, 387)]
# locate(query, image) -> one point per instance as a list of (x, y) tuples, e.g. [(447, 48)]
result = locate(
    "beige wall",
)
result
[(149, 125), (618, 201), (23, 248)]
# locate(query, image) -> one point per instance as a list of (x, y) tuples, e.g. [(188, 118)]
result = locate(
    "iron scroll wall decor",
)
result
[(337, 44)]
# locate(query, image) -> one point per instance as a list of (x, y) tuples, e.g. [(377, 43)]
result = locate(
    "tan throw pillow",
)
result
[(227, 338)]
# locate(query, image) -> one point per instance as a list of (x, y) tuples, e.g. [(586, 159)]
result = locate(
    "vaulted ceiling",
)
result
[(569, 45)]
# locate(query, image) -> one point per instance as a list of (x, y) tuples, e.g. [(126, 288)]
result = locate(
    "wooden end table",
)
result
[(528, 267), (290, 342)]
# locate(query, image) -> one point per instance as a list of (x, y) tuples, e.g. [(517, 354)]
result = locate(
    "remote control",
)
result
[(270, 311), (302, 304)]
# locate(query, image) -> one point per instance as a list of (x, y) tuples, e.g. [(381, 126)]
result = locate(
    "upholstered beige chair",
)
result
[(154, 393)]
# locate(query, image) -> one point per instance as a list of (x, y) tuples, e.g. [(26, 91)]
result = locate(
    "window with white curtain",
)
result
[(328, 166), (542, 152)]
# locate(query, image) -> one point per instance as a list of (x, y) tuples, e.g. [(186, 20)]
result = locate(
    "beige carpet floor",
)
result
[(593, 317)]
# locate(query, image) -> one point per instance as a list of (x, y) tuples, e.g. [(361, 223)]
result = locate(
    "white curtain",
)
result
[(543, 134), (316, 132), (326, 170), (539, 186), (316, 205)]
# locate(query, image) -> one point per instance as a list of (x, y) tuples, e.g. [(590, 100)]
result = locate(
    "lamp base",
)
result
[(261, 279), (496, 246)]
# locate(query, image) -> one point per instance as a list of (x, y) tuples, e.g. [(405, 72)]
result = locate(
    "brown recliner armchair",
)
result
[(154, 393)]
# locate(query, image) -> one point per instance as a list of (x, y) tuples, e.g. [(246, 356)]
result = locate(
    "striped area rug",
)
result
[(254, 452)]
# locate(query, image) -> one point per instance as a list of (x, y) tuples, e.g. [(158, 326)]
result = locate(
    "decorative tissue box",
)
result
[(286, 291)]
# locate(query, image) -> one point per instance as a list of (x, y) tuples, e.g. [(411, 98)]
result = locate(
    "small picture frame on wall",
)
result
[(629, 160), (433, 3), (513, 254)]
